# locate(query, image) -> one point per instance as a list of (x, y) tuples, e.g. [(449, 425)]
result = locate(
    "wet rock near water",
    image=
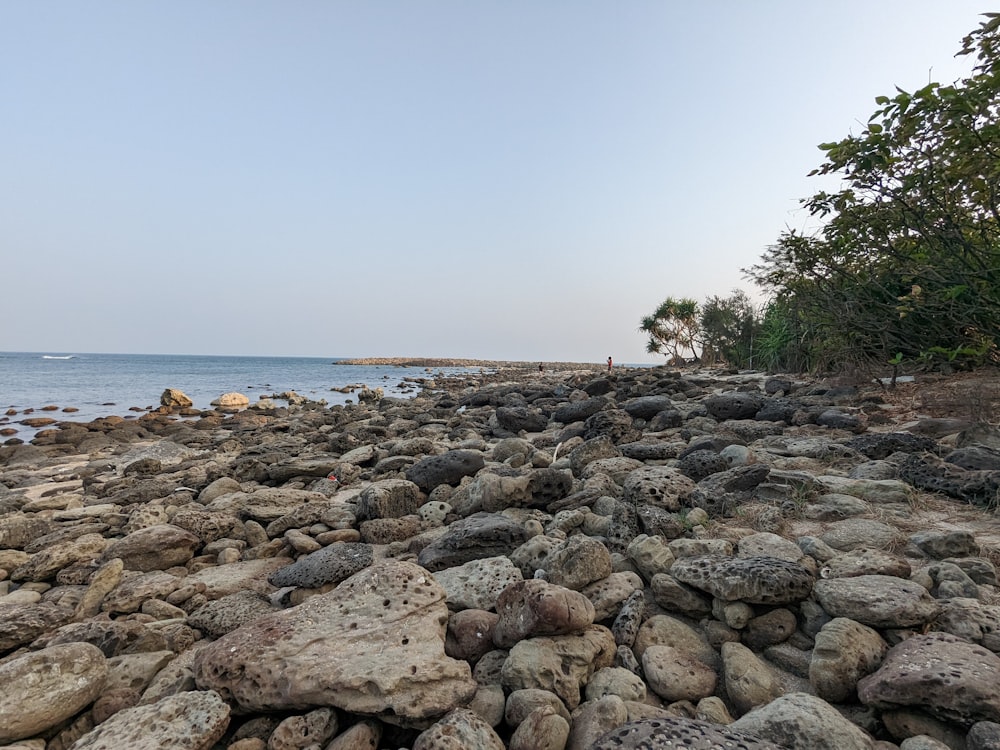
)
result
[(566, 559)]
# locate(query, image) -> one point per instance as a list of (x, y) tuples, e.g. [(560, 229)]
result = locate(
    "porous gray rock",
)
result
[(945, 675), (561, 664), (461, 729), (477, 583), (647, 407), (389, 498), (332, 564), (659, 486), (480, 535), (877, 601), (800, 721), (845, 651), (536, 607), (446, 468), (373, 646), (756, 580), (221, 616), (154, 548), (577, 562), (668, 732), (50, 686), (186, 721)]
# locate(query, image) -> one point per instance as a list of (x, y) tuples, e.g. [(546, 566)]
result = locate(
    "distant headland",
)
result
[(485, 363)]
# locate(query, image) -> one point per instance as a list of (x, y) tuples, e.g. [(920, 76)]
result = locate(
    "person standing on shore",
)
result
[(610, 364)]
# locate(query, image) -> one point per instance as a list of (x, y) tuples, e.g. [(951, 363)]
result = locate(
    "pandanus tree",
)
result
[(672, 329)]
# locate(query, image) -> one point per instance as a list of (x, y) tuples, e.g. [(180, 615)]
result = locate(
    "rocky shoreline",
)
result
[(535, 561)]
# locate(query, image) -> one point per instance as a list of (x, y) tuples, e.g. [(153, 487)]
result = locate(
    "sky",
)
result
[(494, 179)]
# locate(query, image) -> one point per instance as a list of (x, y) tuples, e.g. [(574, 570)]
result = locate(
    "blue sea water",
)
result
[(111, 384)]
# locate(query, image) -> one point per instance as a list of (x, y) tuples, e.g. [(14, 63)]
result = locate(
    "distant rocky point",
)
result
[(445, 362)]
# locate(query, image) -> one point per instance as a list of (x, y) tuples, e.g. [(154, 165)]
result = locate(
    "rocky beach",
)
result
[(533, 560)]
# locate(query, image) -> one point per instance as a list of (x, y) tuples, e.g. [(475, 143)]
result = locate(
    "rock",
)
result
[(877, 601), (756, 580), (154, 548), (944, 544), (389, 498), (303, 732), (174, 399), (221, 616), (186, 721), (577, 562), (23, 623), (517, 419), (470, 634), (332, 564), (845, 651), (536, 607), (477, 583), (854, 533), (50, 686), (734, 405), (800, 721), (660, 486), (461, 729), (561, 664), (750, 682), (674, 732), (676, 676), (542, 729), (593, 718), (231, 401), (478, 536), (947, 676), (372, 646)]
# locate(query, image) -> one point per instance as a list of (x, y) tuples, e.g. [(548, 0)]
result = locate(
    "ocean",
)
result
[(101, 385)]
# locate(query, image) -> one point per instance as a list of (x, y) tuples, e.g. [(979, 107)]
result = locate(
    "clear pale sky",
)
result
[(455, 178)]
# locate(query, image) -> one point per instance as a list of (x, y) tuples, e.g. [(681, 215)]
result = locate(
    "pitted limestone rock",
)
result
[(615, 424), (800, 720), (755, 580), (721, 493), (480, 535), (186, 721), (373, 646), (928, 472), (477, 583), (877, 601), (50, 686), (660, 486), (972, 620), (447, 468), (577, 562), (702, 463), (535, 607), (332, 564), (224, 615), (578, 411), (880, 445), (947, 676), (206, 525), (389, 498), (845, 651), (516, 419), (674, 732), (591, 450), (562, 664), (647, 407), (734, 405)]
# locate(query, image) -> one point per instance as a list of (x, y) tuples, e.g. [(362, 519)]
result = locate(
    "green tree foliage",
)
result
[(673, 329), (729, 327), (907, 263)]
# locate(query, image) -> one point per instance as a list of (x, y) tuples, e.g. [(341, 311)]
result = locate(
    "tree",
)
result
[(907, 263), (672, 329), (729, 326)]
